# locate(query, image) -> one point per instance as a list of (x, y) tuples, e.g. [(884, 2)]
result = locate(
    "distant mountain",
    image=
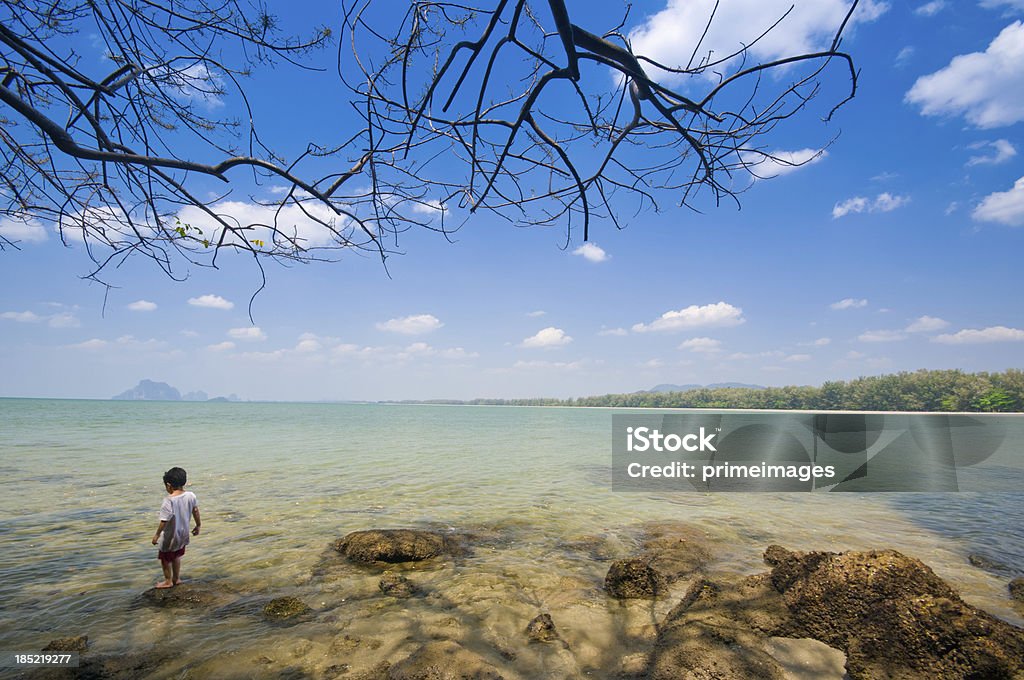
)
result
[(666, 387), (147, 390)]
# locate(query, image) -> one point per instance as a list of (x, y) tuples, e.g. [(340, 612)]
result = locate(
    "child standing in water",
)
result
[(172, 534)]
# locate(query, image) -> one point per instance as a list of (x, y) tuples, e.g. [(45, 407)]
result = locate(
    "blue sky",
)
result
[(897, 249)]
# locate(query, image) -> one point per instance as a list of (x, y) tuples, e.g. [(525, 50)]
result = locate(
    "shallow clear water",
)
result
[(278, 483)]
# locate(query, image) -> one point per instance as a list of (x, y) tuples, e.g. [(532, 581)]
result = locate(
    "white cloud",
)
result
[(417, 324), (1012, 4), (131, 342), (211, 302), (309, 225), (591, 252), (346, 349), (94, 343), (884, 202), (719, 314), (193, 82), (431, 208), (422, 349), (142, 306), (652, 363), (276, 355), (605, 332), (22, 317), (670, 36), (64, 320), (702, 345), (926, 324), (22, 230), (221, 346), (820, 342), (547, 337), (972, 336), (797, 358), (742, 356), (457, 353), (1005, 207), (58, 320), (857, 204), (904, 55), (534, 314), (855, 356), (882, 336), (248, 333), (189, 333), (987, 88), (779, 163), (849, 303), (930, 9), (550, 365), (1002, 151), (308, 343)]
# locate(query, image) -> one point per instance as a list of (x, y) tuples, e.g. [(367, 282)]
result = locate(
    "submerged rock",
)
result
[(670, 552), (987, 563), (634, 578), (892, 616), (79, 643), (443, 660), (676, 551), (541, 629), (392, 545), (132, 666), (397, 585), (1016, 587), (283, 608), (184, 596)]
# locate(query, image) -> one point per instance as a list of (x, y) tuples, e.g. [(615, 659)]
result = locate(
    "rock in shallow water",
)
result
[(987, 563), (541, 629), (443, 660), (283, 608), (634, 578), (1016, 587), (397, 585), (184, 596), (393, 545), (79, 643), (670, 553)]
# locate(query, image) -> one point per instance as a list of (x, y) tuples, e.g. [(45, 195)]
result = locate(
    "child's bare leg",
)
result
[(167, 582), (176, 571)]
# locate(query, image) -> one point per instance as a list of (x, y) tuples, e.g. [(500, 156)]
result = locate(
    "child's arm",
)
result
[(156, 536), (199, 523)]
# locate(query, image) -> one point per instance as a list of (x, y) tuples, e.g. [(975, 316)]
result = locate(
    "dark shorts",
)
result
[(170, 556)]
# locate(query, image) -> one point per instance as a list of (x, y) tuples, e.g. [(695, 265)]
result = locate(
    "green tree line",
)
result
[(924, 390)]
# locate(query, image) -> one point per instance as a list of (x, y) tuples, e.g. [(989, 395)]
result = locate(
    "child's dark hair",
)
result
[(176, 477)]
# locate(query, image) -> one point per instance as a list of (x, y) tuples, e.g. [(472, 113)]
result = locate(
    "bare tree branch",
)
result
[(508, 108)]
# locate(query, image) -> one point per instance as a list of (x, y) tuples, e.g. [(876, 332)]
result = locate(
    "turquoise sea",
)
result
[(279, 483)]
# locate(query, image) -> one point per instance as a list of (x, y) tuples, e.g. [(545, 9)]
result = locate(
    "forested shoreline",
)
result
[(923, 390)]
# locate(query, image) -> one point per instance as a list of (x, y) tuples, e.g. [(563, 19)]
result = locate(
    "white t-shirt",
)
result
[(176, 511)]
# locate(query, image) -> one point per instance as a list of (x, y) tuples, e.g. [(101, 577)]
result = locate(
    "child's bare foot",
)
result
[(164, 584), (178, 582)]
